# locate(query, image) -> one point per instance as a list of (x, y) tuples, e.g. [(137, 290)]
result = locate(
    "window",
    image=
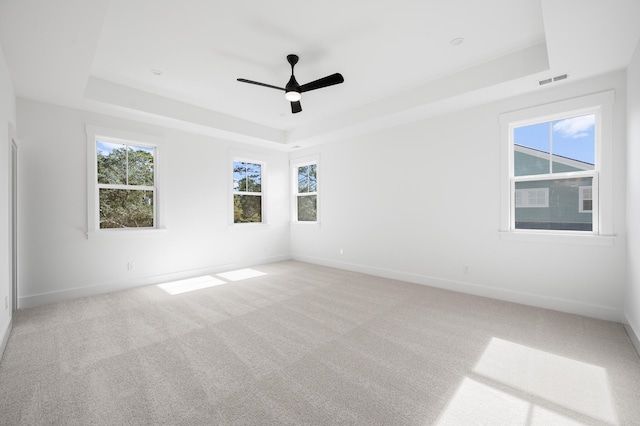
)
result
[(555, 166), (304, 181), (532, 197), (586, 199), (247, 192), (123, 182), (126, 185), (307, 193), (555, 157)]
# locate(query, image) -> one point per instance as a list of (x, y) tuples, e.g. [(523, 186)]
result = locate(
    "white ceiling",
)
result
[(396, 58)]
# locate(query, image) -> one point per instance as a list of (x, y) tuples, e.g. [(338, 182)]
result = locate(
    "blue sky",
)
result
[(106, 148), (572, 137)]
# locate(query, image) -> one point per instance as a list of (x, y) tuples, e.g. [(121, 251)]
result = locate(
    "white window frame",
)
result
[(294, 164), (599, 104), (97, 133), (262, 193), (582, 198)]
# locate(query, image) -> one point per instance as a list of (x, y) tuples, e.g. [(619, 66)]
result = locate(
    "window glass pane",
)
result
[(247, 177), (307, 208), (141, 166), (560, 146), (239, 171), (112, 163), (254, 177), (574, 144), (122, 208), (532, 147), (307, 181), (247, 208), (563, 210)]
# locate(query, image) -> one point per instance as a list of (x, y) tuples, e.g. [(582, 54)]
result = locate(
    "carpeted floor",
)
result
[(301, 344)]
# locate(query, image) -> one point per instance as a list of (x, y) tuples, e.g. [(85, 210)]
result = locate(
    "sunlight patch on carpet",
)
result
[(477, 403), (546, 389), (241, 274), (190, 284), (572, 384)]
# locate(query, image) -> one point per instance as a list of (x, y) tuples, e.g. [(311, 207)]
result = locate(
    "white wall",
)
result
[(418, 202), (7, 118), (57, 260), (632, 308)]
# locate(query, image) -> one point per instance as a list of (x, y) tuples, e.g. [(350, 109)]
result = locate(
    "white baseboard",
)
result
[(57, 296), (557, 304), (5, 337), (563, 305), (634, 334)]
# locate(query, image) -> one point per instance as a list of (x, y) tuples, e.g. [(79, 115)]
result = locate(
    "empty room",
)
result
[(286, 213)]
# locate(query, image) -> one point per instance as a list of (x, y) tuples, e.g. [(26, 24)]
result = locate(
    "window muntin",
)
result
[(247, 192), (125, 184), (307, 193), (557, 156)]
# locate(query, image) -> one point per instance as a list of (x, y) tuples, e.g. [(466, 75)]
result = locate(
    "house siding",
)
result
[(563, 211)]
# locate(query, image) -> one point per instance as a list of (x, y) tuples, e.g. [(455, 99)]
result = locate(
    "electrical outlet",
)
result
[(131, 266), (466, 269)]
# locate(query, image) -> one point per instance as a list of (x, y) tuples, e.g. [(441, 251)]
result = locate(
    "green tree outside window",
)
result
[(307, 197), (126, 185), (247, 192)]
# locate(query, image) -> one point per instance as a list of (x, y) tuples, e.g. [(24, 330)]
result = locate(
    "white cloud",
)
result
[(577, 127)]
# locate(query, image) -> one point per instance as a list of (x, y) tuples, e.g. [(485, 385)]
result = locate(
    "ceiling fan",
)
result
[(293, 90)]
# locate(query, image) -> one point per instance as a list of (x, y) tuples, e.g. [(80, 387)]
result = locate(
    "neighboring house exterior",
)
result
[(560, 204)]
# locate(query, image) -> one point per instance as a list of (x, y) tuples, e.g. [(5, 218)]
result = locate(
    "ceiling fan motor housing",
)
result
[(292, 88)]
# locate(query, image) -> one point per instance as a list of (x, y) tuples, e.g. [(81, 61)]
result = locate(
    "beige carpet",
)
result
[(307, 345)]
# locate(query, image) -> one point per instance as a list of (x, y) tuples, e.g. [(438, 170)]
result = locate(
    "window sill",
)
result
[(305, 224), (107, 234), (248, 225), (558, 238)]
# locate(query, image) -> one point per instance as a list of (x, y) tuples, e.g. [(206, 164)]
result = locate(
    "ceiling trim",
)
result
[(402, 107), (137, 101)]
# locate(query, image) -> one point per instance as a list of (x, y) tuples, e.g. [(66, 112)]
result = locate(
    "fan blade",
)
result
[(244, 80), (296, 107), (329, 80)]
